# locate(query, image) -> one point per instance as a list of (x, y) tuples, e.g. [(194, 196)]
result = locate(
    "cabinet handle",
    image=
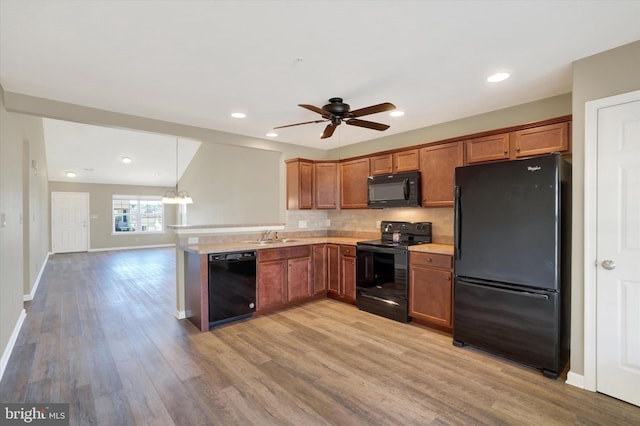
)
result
[(429, 259), (518, 149), (505, 151)]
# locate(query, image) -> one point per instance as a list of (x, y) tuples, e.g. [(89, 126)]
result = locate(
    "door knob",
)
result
[(608, 264)]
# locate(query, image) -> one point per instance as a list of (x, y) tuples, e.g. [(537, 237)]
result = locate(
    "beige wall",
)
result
[(35, 204), (24, 238), (607, 74), (519, 114), (100, 208), (234, 184)]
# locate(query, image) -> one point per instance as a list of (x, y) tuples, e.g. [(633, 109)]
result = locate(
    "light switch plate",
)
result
[(193, 240), (302, 224)]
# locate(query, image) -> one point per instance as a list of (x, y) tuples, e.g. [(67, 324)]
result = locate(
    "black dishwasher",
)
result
[(232, 287)]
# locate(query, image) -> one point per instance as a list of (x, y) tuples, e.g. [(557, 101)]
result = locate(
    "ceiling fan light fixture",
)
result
[(497, 77), (238, 115), (272, 134), (396, 113), (126, 160), (71, 174)]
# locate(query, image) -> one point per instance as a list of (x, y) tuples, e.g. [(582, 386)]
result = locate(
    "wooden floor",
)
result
[(101, 335)]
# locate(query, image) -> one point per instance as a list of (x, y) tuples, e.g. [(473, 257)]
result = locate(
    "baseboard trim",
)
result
[(30, 296), (181, 315), (6, 354), (132, 247), (575, 379)]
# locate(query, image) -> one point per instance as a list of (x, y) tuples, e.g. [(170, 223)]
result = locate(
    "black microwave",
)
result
[(395, 190)]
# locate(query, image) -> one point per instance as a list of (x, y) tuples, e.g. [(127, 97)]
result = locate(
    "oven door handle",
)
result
[(379, 299), (375, 249)]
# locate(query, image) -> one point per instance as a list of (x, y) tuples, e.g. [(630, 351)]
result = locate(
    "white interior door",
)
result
[(618, 251), (69, 222)]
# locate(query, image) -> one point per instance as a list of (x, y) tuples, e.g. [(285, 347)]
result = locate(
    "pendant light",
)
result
[(175, 196)]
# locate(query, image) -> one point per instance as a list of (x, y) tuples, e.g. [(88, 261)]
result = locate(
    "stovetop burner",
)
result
[(401, 234)]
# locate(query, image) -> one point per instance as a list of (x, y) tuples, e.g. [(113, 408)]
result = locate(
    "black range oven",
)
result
[(382, 274)]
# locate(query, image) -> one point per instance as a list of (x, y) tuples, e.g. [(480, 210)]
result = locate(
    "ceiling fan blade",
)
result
[(314, 109), (298, 124), (386, 106), (328, 131), (367, 124)]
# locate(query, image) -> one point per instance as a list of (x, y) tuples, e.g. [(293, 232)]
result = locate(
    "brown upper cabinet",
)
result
[(487, 148), (541, 140), (317, 184), (299, 184), (522, 143), (353, 183), (311, 184), (397, 162), (325, 185), (437, 167)]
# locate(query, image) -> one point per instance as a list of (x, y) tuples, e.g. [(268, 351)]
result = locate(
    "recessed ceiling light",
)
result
[(272, 134), (126, 160), (238, 114), (396, 113), (71, 174), (500, 76)]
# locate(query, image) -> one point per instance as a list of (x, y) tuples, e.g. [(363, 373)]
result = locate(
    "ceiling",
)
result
[(196, 62)]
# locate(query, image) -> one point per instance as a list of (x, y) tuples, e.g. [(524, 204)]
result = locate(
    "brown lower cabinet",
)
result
[(431, 289), (284, 275), (341, 272)]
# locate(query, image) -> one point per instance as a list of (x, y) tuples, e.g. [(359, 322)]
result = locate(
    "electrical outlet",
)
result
[(193, 240), (302, 224), (327, 222)]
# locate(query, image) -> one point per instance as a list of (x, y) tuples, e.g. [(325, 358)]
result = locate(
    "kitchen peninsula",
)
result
[(291, 270)]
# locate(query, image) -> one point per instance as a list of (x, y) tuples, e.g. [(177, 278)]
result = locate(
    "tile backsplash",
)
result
[(365, 222)]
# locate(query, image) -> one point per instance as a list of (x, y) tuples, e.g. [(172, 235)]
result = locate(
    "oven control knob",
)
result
[(252, 305)]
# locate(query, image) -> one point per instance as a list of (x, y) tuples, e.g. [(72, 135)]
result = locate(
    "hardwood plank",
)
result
[(100, 334)]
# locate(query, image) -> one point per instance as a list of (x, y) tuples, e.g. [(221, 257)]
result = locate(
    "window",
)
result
[(140, 214)]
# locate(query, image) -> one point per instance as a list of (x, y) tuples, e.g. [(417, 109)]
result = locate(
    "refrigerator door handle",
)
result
[(456, 221), (505, 290)]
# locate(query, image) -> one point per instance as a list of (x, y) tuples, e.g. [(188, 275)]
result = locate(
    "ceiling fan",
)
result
[(337, 112)]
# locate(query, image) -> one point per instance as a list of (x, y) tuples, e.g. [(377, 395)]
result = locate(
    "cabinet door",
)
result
[(319, 268), (333, 268), (299, 184), (488, 148), (381, 164), (348, 277), (326, 185), (353, 184), (299, 278), (437, 164), (271, 283), (406, 161), (542, 140), (430, 295)]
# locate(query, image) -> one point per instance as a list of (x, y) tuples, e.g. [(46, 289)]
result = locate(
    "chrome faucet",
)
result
[(265, 235)]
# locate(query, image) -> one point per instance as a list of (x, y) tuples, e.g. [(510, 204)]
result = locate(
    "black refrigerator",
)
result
[(512, 260)]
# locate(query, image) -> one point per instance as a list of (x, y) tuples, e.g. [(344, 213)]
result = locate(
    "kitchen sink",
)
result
[(266, 242)]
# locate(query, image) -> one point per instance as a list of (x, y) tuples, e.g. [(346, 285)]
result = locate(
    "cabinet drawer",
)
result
[(348, 250), (431, 260), (267, 255)]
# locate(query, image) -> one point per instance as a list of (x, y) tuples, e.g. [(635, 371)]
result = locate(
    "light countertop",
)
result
[(226, 247)]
